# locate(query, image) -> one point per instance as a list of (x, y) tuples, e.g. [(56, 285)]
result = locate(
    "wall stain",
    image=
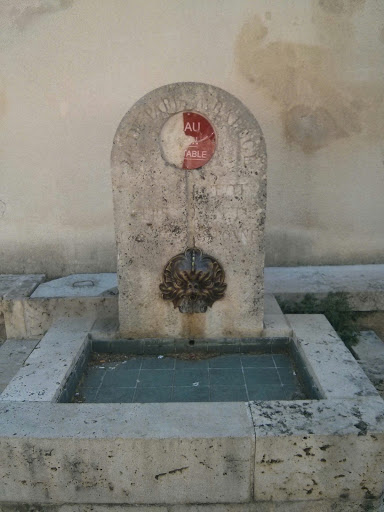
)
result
[(348, 7), (334, 22), (381, 35), (193, 325), (317, 105), (24, 12), (3, 207), (3, 102)]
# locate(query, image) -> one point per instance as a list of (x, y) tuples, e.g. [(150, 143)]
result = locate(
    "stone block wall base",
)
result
[(291, 506)]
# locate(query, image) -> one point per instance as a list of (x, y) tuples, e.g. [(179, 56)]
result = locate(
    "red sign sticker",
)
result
[(201, 150)]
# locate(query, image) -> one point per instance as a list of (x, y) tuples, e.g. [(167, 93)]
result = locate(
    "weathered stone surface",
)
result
[(31, 318), (13, 353), (271, 306), (160, 210), (333, 368), (370, 353), (79, 285), (13, 286), (341, 505), (275, 323), (126, 453), (46, 370), (338, 505), (363, 284), (311, 450)]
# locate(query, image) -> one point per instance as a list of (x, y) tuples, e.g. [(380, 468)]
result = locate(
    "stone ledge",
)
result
[(46, 370), (312, 450), (31, 318), (333, 368), (13, 353), (363, 284), (78, 285), (126, 453), (340, 505), (14, 286)]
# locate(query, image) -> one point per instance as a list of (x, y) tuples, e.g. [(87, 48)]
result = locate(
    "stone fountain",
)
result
[(189, 189)]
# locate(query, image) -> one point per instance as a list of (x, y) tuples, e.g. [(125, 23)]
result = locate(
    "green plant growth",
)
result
[(334, 306)]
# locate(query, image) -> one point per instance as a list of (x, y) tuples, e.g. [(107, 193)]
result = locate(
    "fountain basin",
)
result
[(273, 453), (190, 377)]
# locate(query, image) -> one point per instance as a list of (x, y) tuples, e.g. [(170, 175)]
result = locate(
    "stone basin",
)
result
[(268, 454)]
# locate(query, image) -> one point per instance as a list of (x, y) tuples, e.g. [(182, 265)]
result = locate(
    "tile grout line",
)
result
[(209, 382), (245, 382), (101, 383), (173, 379), (278, 373), (138, 378)]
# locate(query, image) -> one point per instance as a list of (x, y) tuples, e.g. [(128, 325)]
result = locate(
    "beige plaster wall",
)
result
[(310, 70)]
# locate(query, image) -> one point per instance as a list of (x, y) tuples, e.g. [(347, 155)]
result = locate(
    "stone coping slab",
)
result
[(13, 286), (78, 285), (13, 353), (332, 448), (46, 370), (123, 453), (363, 284), (332, 366)]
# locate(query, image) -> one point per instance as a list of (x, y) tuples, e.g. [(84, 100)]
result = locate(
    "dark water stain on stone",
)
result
[(317, 105), (193, 325)]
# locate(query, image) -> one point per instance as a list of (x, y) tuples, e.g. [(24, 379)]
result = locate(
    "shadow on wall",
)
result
[(317, 105)]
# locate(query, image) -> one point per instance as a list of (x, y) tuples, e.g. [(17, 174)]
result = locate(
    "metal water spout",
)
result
[(193, 281)]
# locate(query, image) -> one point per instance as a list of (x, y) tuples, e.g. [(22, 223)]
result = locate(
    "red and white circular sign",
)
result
[(188, 140)]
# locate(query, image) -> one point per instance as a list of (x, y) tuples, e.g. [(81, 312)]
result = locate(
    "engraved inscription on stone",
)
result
[(189, 170)]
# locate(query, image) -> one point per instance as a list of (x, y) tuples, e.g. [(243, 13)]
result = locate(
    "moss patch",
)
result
[(336, 309)]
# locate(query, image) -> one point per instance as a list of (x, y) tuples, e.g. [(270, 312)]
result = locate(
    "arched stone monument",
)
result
[(189, 189)]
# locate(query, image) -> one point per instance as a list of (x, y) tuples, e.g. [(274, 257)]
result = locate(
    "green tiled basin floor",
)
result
[(224, 378)]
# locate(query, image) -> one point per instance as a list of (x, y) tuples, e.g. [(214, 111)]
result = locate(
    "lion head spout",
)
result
[(193, 281)]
